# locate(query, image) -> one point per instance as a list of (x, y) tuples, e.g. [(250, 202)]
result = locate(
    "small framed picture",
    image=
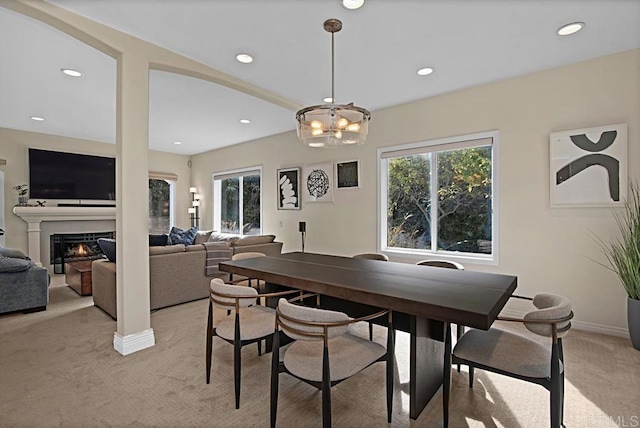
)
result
[(348, 175), (289, 189), (318, 183)]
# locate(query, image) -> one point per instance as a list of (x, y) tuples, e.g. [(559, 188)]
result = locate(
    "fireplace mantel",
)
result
[(36, 215)]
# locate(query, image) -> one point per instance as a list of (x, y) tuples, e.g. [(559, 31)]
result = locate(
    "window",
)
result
[(438, 197), (161, 186), (237, 196)]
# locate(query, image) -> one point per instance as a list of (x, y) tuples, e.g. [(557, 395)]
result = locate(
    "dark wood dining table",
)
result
[(424, 301)]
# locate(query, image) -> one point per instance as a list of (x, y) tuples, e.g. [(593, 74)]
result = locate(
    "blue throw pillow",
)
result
[(180, 236), (108, 247)]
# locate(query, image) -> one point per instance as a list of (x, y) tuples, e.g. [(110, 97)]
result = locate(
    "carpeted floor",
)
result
[(58, 369)]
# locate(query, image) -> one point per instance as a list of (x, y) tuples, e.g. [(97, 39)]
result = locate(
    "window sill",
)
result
[(414, 256)]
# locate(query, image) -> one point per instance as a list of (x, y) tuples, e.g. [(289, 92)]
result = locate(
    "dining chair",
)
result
[(447, 265), (250, 324), (371, 256), (324, 352), (519, 355), (251, 282)]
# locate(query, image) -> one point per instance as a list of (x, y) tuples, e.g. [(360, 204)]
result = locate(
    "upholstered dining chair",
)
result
[(447, 265), (251, 282), (519, 355), (250, 324), (371, 256), (324, 352)]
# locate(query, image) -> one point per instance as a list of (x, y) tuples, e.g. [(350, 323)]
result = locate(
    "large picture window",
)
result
[(438, 197), (237, 196), (161, 188)]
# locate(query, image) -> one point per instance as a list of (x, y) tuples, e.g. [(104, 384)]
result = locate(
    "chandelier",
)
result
[(331, 125)]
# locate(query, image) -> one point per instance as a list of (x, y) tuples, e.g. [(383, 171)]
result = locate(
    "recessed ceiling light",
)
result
[(569, 29), (36, 118), (244, 58), (352, 4), (425, 71), (70, 72), (177, 143), (327, 99), (245, 121)]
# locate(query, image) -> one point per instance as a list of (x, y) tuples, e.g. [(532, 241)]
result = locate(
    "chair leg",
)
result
[(326, 389), (556, 393), (237, 363), (471, 370), (446, 375), (370, 331), (275, 377), (209, 349), (561, 357), (459, 333), (259, 348)]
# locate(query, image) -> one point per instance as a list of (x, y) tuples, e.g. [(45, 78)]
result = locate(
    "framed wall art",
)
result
[(588, 167), (318, 183), (348, 175), (289, 189)]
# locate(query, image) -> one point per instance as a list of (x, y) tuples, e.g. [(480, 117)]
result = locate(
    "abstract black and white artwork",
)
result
[(347, 175), (588, 167), (289, 189), (318, 183)]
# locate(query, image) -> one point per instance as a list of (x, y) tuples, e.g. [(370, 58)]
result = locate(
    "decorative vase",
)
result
[(23, 200), (633, 318)]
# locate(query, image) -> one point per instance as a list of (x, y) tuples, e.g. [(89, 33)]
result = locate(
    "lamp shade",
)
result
[(197, 196), (195, 203), (193, 189), (191, 210), (332, 125)]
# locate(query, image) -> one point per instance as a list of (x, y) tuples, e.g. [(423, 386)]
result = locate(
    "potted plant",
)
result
[(623, 255), (22, 190)]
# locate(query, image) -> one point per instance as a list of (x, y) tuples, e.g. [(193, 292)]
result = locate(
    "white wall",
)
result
[(14, 147), (548, 249)]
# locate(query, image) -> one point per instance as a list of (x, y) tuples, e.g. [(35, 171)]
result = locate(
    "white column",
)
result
[(132, 246)]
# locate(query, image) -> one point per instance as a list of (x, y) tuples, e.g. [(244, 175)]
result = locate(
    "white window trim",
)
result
[(414, 254), (216, 190)]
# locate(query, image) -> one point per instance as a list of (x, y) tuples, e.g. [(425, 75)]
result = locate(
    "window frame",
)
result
[(216, 191), (382, 195)]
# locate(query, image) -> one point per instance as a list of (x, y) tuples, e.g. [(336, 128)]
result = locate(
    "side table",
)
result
[(78, 276)]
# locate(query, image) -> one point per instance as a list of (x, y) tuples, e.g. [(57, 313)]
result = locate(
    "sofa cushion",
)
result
[(158, 240), (12, 253), (202, 236), (182, 236), (108, 247), (253, 240), (222, 237), (9, 265), (167, 249)]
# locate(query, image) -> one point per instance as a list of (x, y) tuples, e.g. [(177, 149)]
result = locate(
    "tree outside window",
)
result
[(159, 206), (238, 208), (439, 198)]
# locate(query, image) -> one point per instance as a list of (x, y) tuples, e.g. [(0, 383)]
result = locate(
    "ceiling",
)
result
[(378, 51)]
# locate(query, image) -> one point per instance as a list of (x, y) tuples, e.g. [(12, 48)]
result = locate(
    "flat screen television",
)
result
[(60, 175)]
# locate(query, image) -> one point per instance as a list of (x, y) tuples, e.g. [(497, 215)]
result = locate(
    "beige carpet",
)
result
[(58, 369)]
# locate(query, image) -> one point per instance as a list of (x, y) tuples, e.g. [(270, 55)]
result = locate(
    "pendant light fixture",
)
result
[(331, 125)]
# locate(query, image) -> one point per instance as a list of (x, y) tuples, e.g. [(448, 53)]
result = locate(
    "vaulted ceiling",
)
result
[(378, 51)]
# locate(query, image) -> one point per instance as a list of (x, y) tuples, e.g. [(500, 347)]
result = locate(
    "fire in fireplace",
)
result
[(74, 247)]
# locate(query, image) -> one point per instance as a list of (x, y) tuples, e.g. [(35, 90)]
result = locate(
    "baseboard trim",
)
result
[(581, 325), (133, 342)]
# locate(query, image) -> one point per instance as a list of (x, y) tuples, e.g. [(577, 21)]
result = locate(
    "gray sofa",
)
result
[(23, 285), (177, 272)]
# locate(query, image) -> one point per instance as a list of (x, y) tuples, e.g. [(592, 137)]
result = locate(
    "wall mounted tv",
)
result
[(60, 175)]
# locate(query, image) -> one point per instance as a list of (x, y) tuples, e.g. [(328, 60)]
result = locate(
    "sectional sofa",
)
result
[(178, 272)]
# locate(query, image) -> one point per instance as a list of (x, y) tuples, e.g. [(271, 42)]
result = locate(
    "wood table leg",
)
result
[(427, 350)]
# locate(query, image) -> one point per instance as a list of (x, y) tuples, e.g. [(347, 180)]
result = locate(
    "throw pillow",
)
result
[(108, 247), (180, 236), (158, 240), (12, 253), (202, 236), (10, 265)]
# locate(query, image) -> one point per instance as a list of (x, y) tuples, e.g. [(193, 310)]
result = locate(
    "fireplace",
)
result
[(74, 247)]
